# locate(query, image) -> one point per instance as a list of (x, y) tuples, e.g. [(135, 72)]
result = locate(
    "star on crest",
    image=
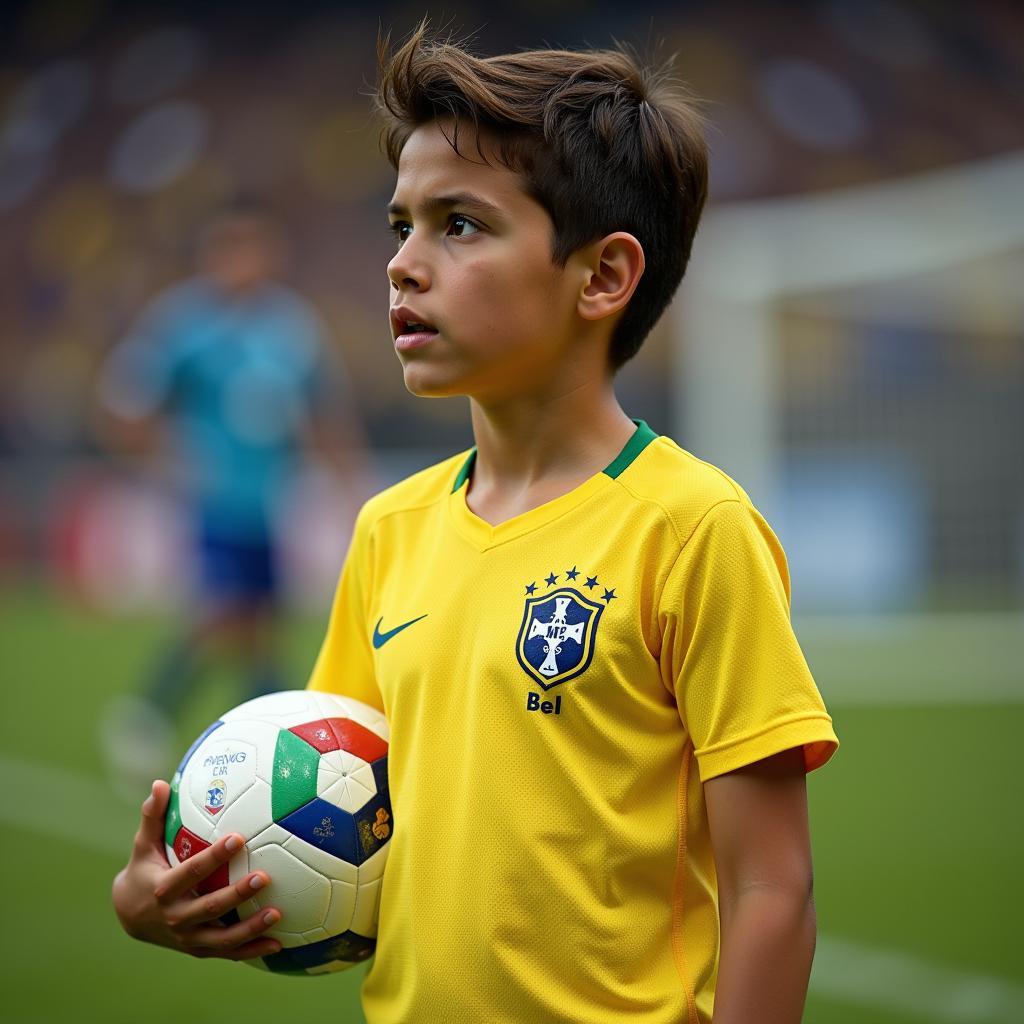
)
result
[(590, 583)]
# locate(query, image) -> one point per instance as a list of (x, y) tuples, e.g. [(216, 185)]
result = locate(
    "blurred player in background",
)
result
[(226, 376)]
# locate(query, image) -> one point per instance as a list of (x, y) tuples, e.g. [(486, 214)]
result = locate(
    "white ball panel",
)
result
[(258, 734), (343, 905), (364, 916), (373, 867), (321, 861), (331, 705), (247, 909), (335, 763), (316, 935), (269, 707), (300, 717), (345, 780), (365, 777), (272, 834), (220, 771), (307, 892), (287, 939), (249, 814), (350, 793), (292, 708), (238, 866)]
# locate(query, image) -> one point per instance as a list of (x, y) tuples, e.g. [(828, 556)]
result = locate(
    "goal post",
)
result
[(921, 271)]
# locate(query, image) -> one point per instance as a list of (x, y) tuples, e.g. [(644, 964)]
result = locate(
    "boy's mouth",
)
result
[(409, 329)]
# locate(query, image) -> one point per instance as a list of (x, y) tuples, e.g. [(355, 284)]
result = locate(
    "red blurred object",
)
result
[(116, 545)]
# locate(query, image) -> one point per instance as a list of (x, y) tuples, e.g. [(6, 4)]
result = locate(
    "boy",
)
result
[(601, 719)]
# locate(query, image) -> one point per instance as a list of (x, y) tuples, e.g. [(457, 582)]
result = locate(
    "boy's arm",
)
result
[(761, 840)]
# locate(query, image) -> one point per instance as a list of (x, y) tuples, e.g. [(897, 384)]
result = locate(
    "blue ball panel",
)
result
[(374, 825), (348, 947), (321, 824), (380, 774)]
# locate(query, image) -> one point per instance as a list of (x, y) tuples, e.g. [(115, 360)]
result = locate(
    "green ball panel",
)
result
[(293, 783), (172, 819)]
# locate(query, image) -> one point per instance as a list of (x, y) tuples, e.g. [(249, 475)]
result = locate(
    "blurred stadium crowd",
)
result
[(123, 125)]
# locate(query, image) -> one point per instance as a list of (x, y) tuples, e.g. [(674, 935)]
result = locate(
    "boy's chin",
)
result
[(423, 383)]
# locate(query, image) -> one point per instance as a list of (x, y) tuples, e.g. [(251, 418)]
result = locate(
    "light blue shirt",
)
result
[(237, 379)]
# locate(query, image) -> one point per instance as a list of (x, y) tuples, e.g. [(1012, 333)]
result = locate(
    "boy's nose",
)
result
[(404, 271)]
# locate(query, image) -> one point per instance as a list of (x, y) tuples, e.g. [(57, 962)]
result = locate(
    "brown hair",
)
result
[(602, 142)]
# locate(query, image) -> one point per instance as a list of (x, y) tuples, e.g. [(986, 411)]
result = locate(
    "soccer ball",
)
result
[(303, 776)]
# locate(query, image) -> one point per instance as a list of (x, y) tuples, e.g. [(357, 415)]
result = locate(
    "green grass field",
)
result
[(917, 831)]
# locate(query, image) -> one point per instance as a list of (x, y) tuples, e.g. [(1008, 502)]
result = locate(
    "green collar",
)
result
[(642, 437)]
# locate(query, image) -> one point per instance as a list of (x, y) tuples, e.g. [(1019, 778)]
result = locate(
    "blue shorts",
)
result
[(237, 569)]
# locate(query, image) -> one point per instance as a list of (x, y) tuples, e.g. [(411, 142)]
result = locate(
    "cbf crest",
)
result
[(558, 635)]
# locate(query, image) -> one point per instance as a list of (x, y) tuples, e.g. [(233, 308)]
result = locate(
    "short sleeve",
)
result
[(743, 687), (138, 374), (345, 664)]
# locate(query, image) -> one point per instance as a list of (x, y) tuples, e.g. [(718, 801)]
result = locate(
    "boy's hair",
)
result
[(603, 143)]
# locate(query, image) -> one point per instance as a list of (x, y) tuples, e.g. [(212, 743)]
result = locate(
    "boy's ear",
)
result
[(613, 268)]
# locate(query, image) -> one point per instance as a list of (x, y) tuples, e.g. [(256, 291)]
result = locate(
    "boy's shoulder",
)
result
[(420, 490), (677, 485)]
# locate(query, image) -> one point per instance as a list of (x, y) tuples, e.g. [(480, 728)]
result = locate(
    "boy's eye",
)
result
[(400, 229), (459, 226)]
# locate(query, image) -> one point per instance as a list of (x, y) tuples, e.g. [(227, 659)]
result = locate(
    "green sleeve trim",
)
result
[(642, 437)]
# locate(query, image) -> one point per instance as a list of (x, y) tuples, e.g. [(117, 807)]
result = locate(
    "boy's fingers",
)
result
[(151, 823), (224, 939), (187, 875), (216, 904)]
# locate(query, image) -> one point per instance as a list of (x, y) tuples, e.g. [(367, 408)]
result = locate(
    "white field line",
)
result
[(890, 979), (53, 802), (57, 804), (915, 660)]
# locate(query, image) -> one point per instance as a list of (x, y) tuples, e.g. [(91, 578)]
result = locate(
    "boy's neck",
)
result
[(534, 450)]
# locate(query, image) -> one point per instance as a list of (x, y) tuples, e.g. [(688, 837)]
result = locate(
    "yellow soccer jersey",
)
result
[(558, 688)]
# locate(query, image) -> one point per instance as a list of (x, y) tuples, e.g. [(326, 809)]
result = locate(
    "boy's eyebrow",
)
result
[(437, 204)]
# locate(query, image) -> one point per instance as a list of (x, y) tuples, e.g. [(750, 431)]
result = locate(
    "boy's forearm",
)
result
[(768, 938)]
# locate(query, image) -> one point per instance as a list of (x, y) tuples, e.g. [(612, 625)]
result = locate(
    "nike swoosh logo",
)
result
[(380, 639)]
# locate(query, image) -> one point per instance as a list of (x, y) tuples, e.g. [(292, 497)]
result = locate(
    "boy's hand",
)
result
[(155, 903)]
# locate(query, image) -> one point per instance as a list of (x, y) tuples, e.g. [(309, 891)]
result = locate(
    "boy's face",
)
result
[(474, 265)]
